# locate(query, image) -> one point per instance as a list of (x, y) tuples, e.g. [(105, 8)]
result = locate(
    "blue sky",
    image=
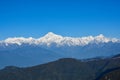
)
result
[(65, 17)]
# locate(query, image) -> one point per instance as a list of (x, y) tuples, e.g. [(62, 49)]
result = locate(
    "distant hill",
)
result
[(62, 69), (27, 56)]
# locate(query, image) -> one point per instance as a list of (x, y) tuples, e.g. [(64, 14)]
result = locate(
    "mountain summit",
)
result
[(49, 34)]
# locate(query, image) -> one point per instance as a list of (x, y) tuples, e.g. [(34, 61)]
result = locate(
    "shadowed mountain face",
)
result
[(63, 69), (112, 74)]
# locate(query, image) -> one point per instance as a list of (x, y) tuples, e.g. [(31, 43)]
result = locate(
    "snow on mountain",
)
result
[(50, 38), (59, 40), (19, 40)]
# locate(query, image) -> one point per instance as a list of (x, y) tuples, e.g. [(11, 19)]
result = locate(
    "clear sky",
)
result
[(65, 17)]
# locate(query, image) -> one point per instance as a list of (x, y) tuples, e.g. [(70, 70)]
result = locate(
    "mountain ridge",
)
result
[(62, 69), (52, 38)]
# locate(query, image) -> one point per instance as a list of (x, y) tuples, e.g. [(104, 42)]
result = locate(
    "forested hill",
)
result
[(62, 69)]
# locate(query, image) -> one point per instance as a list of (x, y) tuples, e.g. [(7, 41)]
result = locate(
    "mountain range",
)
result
[(24, 52), (53, 39)]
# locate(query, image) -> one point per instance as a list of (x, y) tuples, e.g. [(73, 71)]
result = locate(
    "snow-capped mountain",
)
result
[(59, 40), (20, 51)]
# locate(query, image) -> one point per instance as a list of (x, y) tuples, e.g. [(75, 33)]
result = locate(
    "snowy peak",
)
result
[(51, 38), (101, 38), (51, 35)]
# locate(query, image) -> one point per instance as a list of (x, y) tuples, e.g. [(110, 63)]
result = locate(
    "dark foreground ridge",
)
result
[(62, 69), (110, 74)]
